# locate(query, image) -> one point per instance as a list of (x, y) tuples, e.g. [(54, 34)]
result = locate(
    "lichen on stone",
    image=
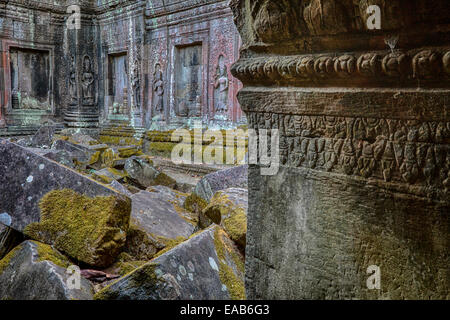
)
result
[(91, 230)]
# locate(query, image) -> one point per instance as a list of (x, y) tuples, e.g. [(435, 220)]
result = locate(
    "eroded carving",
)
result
[(221, 86), (87, 82), (158, 91), (425, 64), (401, 151)]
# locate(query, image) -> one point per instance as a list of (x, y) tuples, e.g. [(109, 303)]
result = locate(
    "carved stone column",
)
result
[(365, 130)]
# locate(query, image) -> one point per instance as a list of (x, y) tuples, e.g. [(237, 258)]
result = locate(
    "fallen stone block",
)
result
[(158, 221), (35, 271), (129, 151), (83, 139), (109, 157), (159, 212), (83, 155), (145, 175), (62, 157), (228, 208), (195, 204), (98, 147), (236, 177), (44, 136), (25, 178), (91, 230), (9, 239), (124, 265), (205, 267), (107, 175), (116, 185)]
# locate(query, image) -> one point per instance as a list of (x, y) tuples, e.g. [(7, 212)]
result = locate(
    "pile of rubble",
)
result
[(69, 202)]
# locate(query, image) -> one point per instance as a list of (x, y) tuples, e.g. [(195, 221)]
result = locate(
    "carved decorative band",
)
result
[(411, 153), (425, 64)]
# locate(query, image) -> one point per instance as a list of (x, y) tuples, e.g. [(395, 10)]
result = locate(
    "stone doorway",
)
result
[(189, 88), (118, 107), (30, 79)]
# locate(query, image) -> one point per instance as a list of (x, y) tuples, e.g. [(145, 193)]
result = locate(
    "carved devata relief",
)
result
[(136, 84), (87, 82), (402, 151), (158, 93), (221, 86)]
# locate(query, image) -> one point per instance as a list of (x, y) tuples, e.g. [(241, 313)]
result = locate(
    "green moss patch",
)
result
[(195, 204), (163, 179), (91, 230), (4, 263), (236, 228), (140, 245), (44, 252), (47, 253), (170, 244), (227, 275)]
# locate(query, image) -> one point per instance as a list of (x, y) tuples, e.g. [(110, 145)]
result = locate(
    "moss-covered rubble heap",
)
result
[(164, 244)]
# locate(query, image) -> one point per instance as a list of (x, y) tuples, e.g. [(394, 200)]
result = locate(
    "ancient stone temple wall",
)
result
[(121, 41), (364, 148), (31, 61), (145, 64), (189, 52)]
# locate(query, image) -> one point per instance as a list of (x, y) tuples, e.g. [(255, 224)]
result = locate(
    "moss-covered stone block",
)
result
[(157, 222), (195, 204), (36, 271), (207, 266), (228, 208), (91, 230)]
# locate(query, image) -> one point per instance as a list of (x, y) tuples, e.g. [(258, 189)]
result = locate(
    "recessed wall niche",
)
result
[(118, 90), (189, 74), (30, 79)]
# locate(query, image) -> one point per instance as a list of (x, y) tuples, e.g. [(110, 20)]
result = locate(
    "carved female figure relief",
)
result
[(136, 84), (158, 91), (73, 91), (87, 82), (221, 85)]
